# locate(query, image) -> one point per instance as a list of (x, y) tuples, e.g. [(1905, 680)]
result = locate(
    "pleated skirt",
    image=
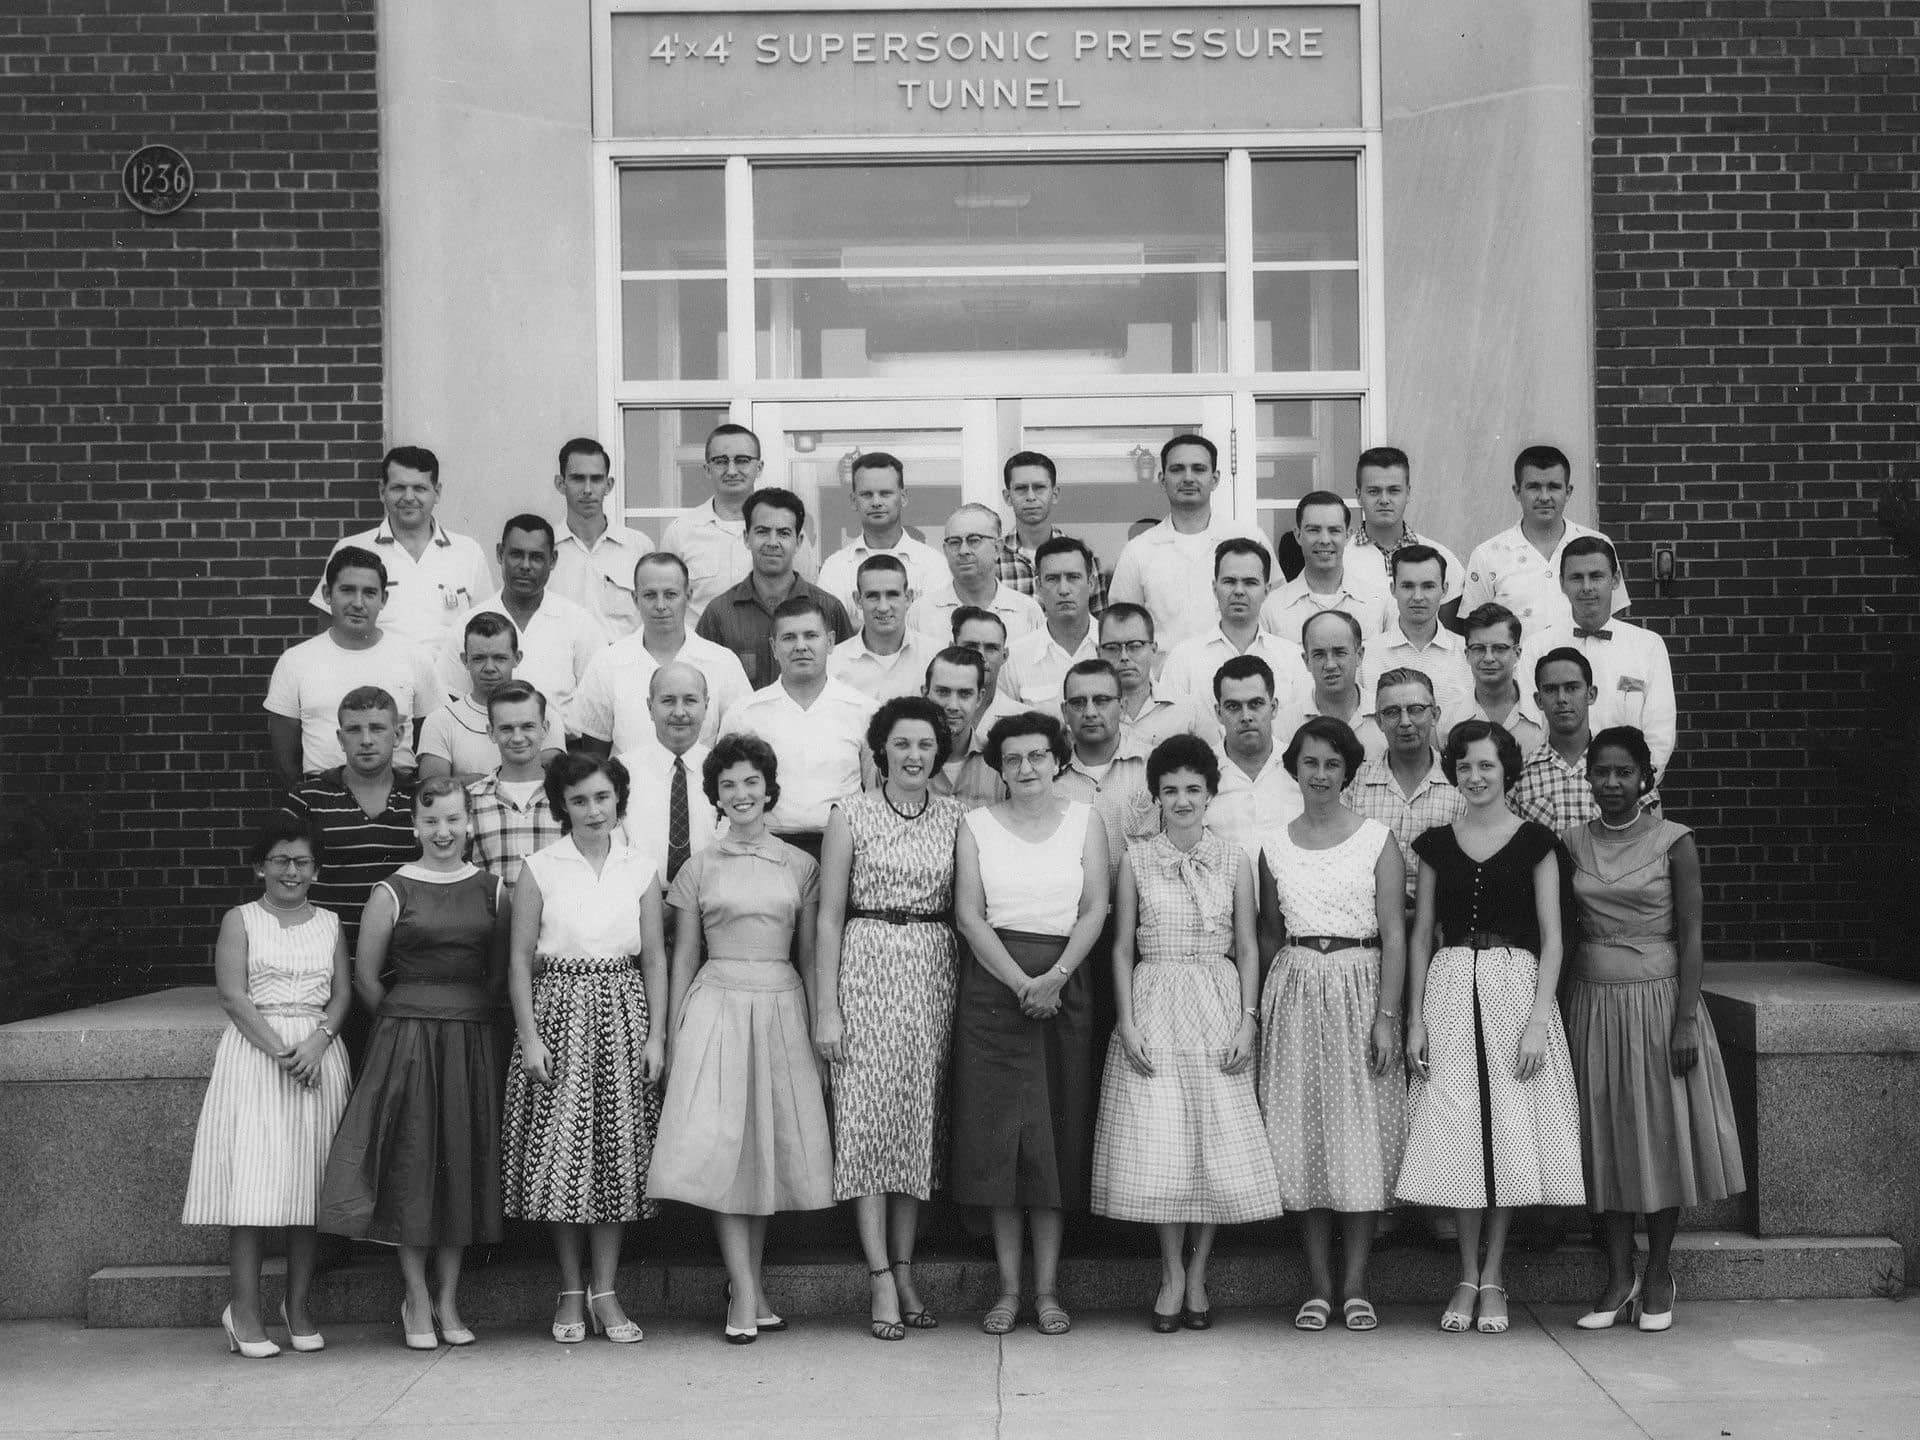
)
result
[(743, 1130), (577, 1150), (1476, 1136), (1650, 1139), (1184, 1144), (260, 1150), (1336, 1129), (417, 1160)]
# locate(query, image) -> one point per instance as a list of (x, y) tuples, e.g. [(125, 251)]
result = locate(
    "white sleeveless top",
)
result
[(1031, 887), (1328, 892), (584, 916)]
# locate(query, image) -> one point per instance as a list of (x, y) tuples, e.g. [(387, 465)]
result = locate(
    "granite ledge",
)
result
[(167, 1035), (1805, 1008)]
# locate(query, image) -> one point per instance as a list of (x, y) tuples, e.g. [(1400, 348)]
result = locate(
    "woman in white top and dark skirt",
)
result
[(1030, 897)]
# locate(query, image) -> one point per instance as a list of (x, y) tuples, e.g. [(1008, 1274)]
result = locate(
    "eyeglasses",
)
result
[(970, 542), (1031, 762), (287, 862), (1501, 651), (1132, 649), (720, 464), (1416, 713)]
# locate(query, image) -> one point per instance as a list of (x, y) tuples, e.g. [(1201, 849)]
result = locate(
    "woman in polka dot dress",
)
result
[(1495, 1121)]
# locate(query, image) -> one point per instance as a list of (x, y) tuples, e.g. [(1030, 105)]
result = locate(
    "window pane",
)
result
[(664, 454), (673, 329), (1303, 445), (1166, 211), (672, 219), (1306, 320), (1086, 325), (1305, 210)]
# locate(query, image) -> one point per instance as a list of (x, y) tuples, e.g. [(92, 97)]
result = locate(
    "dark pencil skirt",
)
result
[(1023, 1091)]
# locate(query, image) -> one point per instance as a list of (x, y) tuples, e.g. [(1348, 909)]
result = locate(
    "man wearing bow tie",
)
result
[(1631, 672)]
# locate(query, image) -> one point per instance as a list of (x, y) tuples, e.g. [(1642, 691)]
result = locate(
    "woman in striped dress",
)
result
[(279, 1083)]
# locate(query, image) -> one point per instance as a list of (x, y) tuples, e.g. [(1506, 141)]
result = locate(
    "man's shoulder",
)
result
[(841, 693)]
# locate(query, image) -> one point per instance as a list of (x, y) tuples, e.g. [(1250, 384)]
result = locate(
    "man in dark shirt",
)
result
[(741, 616)]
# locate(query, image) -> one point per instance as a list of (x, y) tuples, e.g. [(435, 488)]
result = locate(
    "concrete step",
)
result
[(517, 1290)]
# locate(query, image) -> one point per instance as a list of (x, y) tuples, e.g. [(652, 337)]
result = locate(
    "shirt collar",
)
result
[(383, 534), (767, 847)]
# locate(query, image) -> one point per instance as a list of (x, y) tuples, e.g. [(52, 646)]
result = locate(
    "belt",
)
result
[(900, 917), (1488, 940), (1327, 944)]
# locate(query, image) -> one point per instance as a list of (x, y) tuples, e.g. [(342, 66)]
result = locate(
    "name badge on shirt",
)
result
[(1631, 685)]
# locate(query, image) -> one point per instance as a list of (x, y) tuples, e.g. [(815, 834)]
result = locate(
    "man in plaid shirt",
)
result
[(1553, 788), (1030, 483), (1405, 789), (511, 816)]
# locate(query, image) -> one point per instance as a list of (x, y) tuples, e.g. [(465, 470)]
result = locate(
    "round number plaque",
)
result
[(157, 179)]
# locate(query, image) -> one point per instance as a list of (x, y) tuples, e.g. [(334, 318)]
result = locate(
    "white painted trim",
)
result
[(879, 148), (741, 360), (604, 186), (726, 7), (1331, 384)]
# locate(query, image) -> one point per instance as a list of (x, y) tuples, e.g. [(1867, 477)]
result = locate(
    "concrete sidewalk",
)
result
[(1747, 1370)]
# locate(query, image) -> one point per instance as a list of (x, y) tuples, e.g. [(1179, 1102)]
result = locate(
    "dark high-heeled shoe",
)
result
[(1197, 1319), (1165, 1324)]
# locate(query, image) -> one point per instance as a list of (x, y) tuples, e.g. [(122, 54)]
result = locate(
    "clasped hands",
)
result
[(302, 1061), (1040, 996)]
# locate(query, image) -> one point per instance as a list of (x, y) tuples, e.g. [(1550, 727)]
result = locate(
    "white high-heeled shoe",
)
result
[(570, 1332), (418, 1339), (306, 1344), (626, 1332), (1607, 1319), (251, 1349), (1653, 1324)]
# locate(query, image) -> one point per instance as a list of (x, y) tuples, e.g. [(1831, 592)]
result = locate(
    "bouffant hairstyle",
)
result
[(908, 707), (281, 828), (739, 748), (571, 767), (1629, 739), (1029, 722), (1336, 733), (1504, 745), (1183, 752)]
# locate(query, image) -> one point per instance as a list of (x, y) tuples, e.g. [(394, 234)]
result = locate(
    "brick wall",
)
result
[(1758, 372), (191, 411)]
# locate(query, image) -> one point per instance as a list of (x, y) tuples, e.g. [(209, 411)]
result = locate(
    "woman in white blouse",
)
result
[(581, 1107)]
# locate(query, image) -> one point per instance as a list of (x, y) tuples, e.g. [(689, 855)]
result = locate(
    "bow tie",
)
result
[(1580, 634)]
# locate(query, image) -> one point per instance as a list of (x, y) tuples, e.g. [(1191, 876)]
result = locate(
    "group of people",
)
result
[(983, 893)]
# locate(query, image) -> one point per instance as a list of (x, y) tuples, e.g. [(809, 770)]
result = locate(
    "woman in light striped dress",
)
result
[(279, 1083)]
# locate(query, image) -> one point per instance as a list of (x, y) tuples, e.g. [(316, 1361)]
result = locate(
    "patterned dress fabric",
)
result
[(417, 1157), (577, 1150), (1477, 1136), (261, 1146), (1337, 1129), (896, 1001), (1185, 1143), (743, 1130), (1651, 1140)]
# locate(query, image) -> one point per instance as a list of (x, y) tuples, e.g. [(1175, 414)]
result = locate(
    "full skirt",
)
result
[(1477, 1137), (743, 1130), (261, 1147), (1651, 1140), (1184, 1144), (1337, 1130)]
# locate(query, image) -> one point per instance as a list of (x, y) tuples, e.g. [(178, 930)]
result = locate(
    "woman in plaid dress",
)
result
[(1180, 1144)]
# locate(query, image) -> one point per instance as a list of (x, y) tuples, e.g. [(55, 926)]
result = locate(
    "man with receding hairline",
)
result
[(1320, 525), (971, 543), (677, 706), (1334, 651)]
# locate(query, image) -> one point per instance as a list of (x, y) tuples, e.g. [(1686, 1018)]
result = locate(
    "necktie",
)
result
[(679, 820), (1580, 634)]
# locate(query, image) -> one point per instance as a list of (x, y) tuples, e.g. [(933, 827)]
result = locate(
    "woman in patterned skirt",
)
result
[(1495, 1122), (416, 1163), (744, 1132), (581, 1109), (1331, 1081), (1179, 1144), (885, 1015), (278, 1086), (1656, 1118)]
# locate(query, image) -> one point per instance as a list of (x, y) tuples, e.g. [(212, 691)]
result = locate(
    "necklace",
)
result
[(1617, 829), (284, 909), (925, 800)]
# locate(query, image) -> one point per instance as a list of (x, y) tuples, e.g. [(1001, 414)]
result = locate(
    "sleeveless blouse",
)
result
[(1495, 894), (1625, 896), (289, 968), (1330, 891), (1032, 886), (584, 916), (441, 944), (1185, 898)]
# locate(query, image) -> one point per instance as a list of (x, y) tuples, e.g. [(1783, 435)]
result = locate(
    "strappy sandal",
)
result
[(1492, 1324), (917, 1319), (1050, 1319), (1001, 1319), (1313, 1315), (1453, 1319), (886, 1329), (570, 1332), (1359, 1314)]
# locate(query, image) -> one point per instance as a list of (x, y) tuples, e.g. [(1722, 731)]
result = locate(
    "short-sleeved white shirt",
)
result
[(1508, 570), (1190, 670), (932, 613), (1288, 609), (820, 748), (611, 703), (556, 647), (839, 572), (424, 596), (883, 677), (584, 916), (1035, 674), (599, 577), (1443, 660), (312, 678), (1172, 575), (457, 734)]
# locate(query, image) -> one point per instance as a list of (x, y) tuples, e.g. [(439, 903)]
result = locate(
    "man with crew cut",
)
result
[(1030, 484), (879, 490), (1383, 487), (594, 557), (1520, 567)]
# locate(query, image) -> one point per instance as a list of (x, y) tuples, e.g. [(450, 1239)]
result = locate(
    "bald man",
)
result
[(668, 817), (971, 544)]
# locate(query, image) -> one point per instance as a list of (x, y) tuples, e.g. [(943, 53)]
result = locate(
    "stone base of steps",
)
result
[(517, 1291)]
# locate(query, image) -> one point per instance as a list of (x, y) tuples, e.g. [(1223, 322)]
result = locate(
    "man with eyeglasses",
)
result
[(1493, 653), (1037, 664), (1148, 714), (1405, 789), (971, 544), (1166, 567), (1241, 571), (1101, 773), (1030, 483), (711, 536), (1417, 639), (741, 617)]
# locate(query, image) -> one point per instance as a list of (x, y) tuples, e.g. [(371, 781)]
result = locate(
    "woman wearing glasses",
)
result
[(1030, 897)]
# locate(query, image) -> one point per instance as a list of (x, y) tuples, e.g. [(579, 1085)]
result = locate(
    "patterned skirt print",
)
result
[(1337, 1129), (1183, 1144), (1477, 1136), (890, 1092), (577, 1150), (261, 1147)]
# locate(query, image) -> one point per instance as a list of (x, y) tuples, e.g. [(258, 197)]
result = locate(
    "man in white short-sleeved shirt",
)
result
[(1417, 640), (1383, 486), (879, 489), (711, 537), (971, 541), (1257, 796), (1520, 568), (1036, 670), (1169, 567), (593, 557), (1326, 582), (433, 575), (458, 738), (1241, 569), (310, 679), (886, 659), (610, 712)]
